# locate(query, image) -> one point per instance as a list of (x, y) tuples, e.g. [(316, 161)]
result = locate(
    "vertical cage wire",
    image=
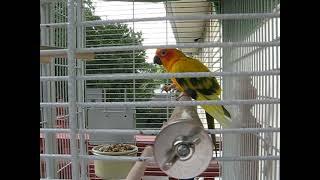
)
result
[(61, 69), (252, 59), (212, 58), (80, 67), (72, 88), (218, 59), (56, 12), (107, 60), (48, 140), (122, 62)]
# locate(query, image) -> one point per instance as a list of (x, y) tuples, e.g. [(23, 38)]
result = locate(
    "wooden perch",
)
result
[(184, 113), (180, 112), (137, 171), (47, 58)]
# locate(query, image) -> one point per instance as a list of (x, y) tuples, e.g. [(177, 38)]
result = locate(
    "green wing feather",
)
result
[(203, 88)]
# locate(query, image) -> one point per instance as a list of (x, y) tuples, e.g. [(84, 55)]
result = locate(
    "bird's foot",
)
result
[(168, 88), (182, 94)]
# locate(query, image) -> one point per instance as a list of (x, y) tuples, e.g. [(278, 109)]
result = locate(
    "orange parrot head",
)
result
[(167, 57)]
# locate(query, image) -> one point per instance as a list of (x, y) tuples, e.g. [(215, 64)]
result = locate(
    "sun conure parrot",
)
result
[(203, 88)]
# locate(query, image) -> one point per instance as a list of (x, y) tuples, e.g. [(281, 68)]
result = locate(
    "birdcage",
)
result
[(99, 85)]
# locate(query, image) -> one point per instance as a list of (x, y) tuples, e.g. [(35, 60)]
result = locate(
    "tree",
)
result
[(122, 62)]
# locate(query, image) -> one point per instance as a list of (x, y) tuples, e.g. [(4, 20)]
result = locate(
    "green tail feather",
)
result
[(216, 111)]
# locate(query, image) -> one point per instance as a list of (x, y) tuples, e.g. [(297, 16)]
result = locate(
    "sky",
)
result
[(153, 32)]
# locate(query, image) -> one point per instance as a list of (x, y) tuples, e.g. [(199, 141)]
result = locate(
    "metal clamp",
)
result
[(183, 149)]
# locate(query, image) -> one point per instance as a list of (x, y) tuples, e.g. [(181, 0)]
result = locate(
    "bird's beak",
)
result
[(157, 60)]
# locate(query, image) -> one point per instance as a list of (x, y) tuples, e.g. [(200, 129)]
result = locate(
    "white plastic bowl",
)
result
[(110, 169)]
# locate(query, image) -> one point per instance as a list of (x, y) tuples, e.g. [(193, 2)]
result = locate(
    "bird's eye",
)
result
[(163, 52)]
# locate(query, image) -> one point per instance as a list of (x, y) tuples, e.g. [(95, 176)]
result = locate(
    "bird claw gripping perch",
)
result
[(168, 88), (181, 94)]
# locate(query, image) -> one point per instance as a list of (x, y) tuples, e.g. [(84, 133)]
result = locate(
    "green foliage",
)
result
[(122, 62)]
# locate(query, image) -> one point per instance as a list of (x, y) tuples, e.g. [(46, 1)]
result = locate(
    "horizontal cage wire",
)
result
[(99, 85)]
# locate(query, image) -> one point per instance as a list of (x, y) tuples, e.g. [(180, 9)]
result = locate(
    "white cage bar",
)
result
[(239, 40)]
